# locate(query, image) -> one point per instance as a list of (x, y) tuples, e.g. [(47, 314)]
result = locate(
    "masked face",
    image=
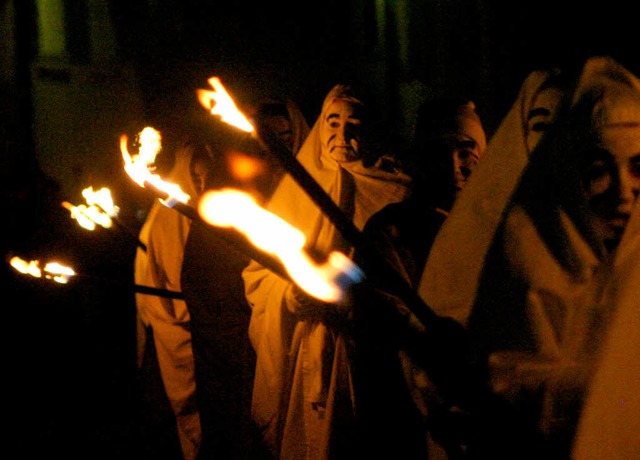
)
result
[(611, 179), (461, 150), (449, 142), (340, 130), (467, 147)]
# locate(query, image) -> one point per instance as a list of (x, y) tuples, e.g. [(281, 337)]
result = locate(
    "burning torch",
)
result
[(62, 274), (99, 210), (218, 102), (240, 220)]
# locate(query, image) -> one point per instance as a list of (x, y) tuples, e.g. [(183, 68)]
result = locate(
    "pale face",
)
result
[(340, 130), (465, 153), (611, 179)]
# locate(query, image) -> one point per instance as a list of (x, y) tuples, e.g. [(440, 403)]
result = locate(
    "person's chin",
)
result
[(618, 224), (613, 234), (460, 184)]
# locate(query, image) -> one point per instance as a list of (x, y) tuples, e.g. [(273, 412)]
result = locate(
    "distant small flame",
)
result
[(219, 102), (28, 268), (140, 166), (233, 208), (99, 209), (52, 270), (88, 216), (101, 198), (58, 272)]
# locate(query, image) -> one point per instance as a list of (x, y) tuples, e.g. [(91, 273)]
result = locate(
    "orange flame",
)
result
[(88, 216), (219, 102), (244, 167), (52, 270), (233, 208), (140, 166), (99, 209), (101, 199)]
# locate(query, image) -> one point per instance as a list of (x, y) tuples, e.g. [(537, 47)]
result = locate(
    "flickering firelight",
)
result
[(327, 281)]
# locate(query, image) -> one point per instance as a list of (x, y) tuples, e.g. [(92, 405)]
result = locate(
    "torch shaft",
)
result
[(138, 288), (445, 348), (141, 289), (128, 231), (120, 225), (289, 162)]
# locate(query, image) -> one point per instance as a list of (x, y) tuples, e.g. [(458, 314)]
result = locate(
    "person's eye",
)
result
[(466, 152), (598, 163), (597, 177), (540, 127), (463, 154), (352, 130), (596, 170), (470, 159)]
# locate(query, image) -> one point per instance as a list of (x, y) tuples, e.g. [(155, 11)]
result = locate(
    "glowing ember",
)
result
[(233, 208), (52, 270), (140, 167), (243, 167), (218, 102)]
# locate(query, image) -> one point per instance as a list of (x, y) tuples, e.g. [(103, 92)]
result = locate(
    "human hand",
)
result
[(306, 306), (301, 303)]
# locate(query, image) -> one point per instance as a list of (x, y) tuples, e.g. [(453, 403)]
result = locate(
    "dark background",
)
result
[(75, 75)]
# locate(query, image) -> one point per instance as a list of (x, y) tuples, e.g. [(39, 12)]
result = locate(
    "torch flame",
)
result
[(52, 270), (219, 102), (58, 272), (99, 211), (88, 216), (140, 166), (28, 268), (101, 199), (233, 208)]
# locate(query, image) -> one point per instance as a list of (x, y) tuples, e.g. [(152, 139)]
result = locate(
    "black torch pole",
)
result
[(128, 231), (443, 348), (137, 288), (141, 289), (119, 224), (288, 161)]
